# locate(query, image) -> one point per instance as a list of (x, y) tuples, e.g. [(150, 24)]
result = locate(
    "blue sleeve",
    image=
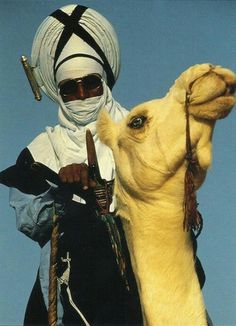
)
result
[(33, 213)]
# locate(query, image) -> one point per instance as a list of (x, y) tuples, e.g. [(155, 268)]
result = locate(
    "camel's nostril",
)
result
[(231, 89)]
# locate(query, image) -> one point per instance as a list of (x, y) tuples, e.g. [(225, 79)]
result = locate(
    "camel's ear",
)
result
[(106, 129)]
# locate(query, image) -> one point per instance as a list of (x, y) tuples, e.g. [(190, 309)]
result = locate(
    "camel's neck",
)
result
[(162, 258), (158, 229), (162, 205)]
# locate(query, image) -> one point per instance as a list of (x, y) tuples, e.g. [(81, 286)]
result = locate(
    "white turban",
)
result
[(81, 53)]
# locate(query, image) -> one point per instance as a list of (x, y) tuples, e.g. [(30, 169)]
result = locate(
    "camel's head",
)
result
[(211, 90), (149, 144)]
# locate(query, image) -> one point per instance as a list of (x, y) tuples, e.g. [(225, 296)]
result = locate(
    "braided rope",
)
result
[(52, 298)]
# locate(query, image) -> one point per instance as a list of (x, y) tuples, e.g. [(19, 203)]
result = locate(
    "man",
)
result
[(75, 59)]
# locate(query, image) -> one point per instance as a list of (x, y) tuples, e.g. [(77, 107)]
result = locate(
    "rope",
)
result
[(52, 299), (64, 279)]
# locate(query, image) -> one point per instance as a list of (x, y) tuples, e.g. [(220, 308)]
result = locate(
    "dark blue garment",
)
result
[(95, 282)]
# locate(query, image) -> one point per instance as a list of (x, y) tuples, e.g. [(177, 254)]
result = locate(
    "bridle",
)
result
[(192, 217)]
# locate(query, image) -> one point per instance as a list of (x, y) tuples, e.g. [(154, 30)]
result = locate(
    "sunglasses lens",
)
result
[(91, 82), (68, 88)]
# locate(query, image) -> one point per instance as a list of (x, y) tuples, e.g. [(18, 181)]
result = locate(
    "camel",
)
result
[(149, 149)]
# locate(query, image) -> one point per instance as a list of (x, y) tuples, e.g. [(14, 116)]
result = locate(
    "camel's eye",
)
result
[(137, 122)]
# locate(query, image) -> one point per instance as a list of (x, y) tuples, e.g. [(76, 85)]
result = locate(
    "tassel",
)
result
[(192, 217)]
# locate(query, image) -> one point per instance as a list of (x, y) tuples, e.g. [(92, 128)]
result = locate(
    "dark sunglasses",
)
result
[(89, 82)]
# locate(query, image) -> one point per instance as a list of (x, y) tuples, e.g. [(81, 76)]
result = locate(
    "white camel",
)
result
[(149, 148)]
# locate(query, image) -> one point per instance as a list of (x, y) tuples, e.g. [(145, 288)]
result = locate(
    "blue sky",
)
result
[(159, 40)]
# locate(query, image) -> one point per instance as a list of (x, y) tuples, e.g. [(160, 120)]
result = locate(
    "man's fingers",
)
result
[(76, 173), (70, 173), (62, 175)]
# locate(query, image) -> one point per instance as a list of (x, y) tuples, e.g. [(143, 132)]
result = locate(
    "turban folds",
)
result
[(72, 42)]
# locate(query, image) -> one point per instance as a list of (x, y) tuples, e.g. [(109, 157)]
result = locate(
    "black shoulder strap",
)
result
[(72, 26)]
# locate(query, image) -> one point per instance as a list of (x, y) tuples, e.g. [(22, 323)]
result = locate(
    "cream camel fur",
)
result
[(149, 152)]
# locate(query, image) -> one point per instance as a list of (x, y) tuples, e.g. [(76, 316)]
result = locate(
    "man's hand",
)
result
[(78, 175)]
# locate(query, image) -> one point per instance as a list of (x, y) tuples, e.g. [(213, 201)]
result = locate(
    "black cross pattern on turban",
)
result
[(72, 26)]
